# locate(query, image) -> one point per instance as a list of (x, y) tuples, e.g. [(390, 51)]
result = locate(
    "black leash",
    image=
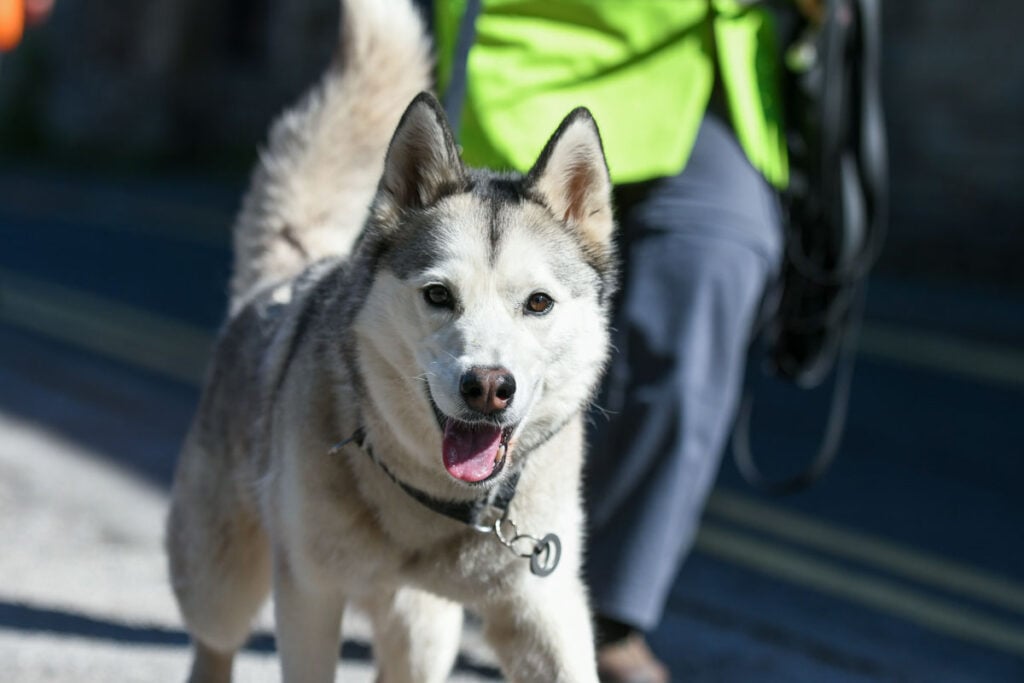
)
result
[(544, 553), (455, 94), (835, 424), (835, 223)]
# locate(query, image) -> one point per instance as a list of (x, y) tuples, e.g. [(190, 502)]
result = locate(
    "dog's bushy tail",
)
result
[(310, 192)]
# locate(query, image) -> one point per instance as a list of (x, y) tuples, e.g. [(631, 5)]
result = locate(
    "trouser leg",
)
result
[(696, 267)]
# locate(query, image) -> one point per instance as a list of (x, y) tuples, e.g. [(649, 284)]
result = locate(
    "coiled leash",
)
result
[(544, 553), (835, 223)]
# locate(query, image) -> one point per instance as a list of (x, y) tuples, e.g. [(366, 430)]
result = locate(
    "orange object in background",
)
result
[(12, 23)]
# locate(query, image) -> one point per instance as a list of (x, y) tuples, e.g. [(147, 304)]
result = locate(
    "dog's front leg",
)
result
[(308, 625), (415, 635), (543, 632)]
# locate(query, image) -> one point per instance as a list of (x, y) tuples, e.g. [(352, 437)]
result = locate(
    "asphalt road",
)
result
[(904, 563)]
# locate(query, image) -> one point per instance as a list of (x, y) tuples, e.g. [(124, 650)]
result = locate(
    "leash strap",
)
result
[(835, 424), (455, 93)]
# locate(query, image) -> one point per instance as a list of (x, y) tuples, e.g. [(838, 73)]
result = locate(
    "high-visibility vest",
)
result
[(644, 68)]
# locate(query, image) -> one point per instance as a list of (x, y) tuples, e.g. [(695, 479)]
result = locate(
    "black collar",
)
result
[(470, 512)]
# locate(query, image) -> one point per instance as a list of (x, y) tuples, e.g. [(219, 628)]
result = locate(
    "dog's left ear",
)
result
[(422, 162), (571, 176)]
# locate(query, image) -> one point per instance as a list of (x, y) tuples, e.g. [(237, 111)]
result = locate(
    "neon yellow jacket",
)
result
[(645, 68)]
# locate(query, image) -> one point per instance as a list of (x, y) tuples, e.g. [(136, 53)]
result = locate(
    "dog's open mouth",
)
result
[(474, 452)]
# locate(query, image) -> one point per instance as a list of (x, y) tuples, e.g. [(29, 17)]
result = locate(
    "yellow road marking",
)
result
[(179, 220), (113, 330), (989, 363), (925, 568), (179, 351), (880, 594), (175, 220)]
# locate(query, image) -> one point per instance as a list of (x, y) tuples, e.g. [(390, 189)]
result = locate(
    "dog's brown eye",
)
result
[(438, 296), (539, 302)]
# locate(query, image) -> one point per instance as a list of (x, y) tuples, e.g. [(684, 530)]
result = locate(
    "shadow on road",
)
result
[(25, 618)]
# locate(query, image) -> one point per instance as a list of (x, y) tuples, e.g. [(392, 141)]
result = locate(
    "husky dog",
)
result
[(393, 414)]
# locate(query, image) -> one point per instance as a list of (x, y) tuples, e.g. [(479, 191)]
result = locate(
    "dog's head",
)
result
[(484, 328)]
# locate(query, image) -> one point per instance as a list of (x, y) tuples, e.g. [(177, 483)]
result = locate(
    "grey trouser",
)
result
[(699, 250)]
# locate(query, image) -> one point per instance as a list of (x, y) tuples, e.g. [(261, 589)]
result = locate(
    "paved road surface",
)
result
[(906, 563)]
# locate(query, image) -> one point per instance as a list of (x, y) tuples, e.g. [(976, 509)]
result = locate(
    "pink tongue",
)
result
[(469, 451)]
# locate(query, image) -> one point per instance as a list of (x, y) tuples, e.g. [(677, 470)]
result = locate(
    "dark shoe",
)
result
[(629, 660)]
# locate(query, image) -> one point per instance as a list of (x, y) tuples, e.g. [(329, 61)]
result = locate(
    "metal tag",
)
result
[(546, 555)]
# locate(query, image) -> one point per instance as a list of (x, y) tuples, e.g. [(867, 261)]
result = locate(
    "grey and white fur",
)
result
[(374, 274)]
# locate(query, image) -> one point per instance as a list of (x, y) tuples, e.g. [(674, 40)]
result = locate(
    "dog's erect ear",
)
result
[(422, 162), (572, 178)]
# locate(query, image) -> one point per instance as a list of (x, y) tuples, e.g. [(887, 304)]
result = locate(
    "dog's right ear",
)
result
[(422, 162)]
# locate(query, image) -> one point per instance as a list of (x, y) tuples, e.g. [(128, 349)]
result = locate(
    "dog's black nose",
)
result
[(487, 390)]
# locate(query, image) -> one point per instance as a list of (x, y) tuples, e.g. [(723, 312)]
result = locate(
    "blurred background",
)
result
[(127, 130)]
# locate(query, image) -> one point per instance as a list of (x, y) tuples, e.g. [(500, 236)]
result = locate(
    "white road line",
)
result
[(879, 594), (956, 578)]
